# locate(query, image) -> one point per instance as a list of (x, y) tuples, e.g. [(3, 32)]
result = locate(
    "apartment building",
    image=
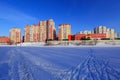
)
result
[(64, 31), (32, 33), (42, 27), (100, 30), (27, 33), (110, 33), (40, 32), (15, 35), (51, 30), (86, 32), (116, 35)]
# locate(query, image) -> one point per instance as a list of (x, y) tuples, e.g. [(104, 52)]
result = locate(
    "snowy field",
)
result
[(59, 63)]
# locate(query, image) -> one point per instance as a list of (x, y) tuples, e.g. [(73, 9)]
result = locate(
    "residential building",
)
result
[(110, 33), (32, 33), (40, 32), (64, 31), (15, 35), (100, 30), (27, 33), (81, 32), (35, 33), (47, 30), (87, 32), (43, 33), (51, 31), (116, 35)]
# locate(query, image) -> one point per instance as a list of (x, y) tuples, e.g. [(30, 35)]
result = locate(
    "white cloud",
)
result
[(9, 13)]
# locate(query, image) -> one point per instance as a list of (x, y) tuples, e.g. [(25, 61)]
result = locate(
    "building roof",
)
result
[(64, 24)]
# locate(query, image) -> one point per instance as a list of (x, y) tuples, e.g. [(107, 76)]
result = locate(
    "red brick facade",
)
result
[(4, 39), (91, 36)]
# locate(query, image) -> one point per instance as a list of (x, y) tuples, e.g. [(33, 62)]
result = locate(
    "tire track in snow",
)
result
[(19, 67), (93, 68), (40, 63), (60, 58)]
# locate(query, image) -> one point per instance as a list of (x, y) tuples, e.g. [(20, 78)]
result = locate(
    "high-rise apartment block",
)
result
[(15, 35), (34, 33), (100, 30), (64, 31), (110, 33), (116, 35), (40, 32), (27, 33), (51, 31), (43, 30)]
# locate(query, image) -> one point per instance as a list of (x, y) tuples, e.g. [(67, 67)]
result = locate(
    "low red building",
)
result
[(71, 37), (4, 39), (79, 36), (91, 36), (97, 36)]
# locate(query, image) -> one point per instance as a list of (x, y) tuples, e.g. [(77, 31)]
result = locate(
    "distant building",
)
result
[(71, 37), (79, 36), (100, 30), (97, 36), (81, 32), (116, 35), (91, 36), (110, 33), (64, 31), (40, 32), (15, 35), (85, 32), (4, 40)]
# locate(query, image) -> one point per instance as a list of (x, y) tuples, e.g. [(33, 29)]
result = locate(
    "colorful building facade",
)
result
[(64, 31), (15, 35), (4, 39), (110, 33), (40, 32), (51, 30), (100, 30)]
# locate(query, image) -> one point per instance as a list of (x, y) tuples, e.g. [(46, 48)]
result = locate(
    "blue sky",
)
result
[(81, 14)]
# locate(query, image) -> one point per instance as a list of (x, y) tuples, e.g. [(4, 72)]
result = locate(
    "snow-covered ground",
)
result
[(59, 63), (41, 44), (31, 44)]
